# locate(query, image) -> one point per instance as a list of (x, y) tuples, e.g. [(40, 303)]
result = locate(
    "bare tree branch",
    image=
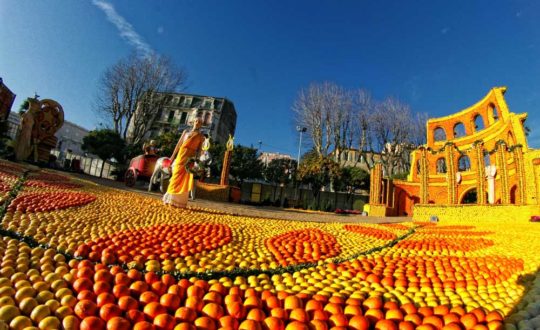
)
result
[(126, 89)]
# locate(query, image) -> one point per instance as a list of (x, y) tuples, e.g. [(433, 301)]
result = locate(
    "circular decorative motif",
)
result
[(302, 246), (50, 184), (44, 202), (445, 244), (160, 242), (49, 177), (371, 232)]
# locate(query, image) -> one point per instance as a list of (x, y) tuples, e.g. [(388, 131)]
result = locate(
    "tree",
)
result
[(317, 171), (167, 141), (128, 95), (217, 152), (392, 134), (279, 171), (105, 144), (245, 164)]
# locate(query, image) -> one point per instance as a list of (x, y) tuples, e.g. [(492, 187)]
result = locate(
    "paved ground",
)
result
[(247, 210)]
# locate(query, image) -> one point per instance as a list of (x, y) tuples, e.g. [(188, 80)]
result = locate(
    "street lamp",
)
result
[(300, 129)]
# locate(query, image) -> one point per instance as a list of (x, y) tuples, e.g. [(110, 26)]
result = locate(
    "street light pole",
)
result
[(301, 130)]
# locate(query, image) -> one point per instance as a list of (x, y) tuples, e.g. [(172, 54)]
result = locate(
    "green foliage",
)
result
[(359, 205), (318, 171), (105, 144), (400, 176), (279, 171), (245, 164), (217, 151), (166, 142), (351, 179)]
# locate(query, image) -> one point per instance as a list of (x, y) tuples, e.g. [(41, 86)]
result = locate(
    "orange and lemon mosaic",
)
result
[(75, 255)]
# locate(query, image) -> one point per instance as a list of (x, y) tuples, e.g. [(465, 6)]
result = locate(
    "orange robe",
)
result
[(182, 181)]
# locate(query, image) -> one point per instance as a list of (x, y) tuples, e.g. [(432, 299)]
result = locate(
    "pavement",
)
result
[(267, 212)]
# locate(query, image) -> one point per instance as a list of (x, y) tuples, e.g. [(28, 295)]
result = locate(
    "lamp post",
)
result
[(300, 129)]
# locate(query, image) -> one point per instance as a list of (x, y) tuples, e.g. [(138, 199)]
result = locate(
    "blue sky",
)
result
[(439, 57)]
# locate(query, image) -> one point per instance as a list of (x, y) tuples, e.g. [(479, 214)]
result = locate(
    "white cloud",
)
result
[(160, 30), (127, 32)]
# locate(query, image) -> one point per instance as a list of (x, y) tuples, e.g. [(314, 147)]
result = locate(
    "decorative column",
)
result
[(478, 150), (224, 181), (520, 172), (424, 177), (375, 185), (502, 166), (491, 172), (451, 181)]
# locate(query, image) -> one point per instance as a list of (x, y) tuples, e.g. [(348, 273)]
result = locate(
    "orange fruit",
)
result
[(85, 308), (148, 297), (385, 325), (92, 323), (127, 303), (185, 314), (273, 323), (143, 325), (135, 316), (153, 309), (406, 325), (108, 311), (374, 315), (292, 302), (213, 311), (164, 322), (236, 309), (105, 298), (338, 320), (469, 320), (373, 303), (228, 321), (433, 320), (206, 323), (359, 322), (299, 314), (118, 323), (256, 314), (295, 325)]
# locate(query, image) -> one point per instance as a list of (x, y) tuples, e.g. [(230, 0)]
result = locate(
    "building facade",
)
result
[(7, 97), (178, 109), (267, 157), (475, 162), (69, 136)]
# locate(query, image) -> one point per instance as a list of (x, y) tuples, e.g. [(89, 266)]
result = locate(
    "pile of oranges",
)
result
[(82, 256)]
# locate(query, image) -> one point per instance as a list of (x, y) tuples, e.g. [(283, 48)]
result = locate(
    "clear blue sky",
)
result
[(439, 57)]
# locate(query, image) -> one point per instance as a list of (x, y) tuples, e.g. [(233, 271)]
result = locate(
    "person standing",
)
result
[(188, 146)]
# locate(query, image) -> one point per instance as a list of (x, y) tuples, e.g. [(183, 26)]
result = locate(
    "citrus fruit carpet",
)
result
[(75, 255)]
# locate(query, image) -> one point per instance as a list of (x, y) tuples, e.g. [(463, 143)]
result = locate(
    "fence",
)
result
[(88, 165), (302, 197)]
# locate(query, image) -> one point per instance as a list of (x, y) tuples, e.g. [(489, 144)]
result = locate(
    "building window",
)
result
[(478, 123), (439, 134), (183, 118), (494, 112), (464, 164), (418, 167), (187, 103), (459, 130), (441, 165), (511, 140), (487, 159), (171, 116), (207, 118), (207, 104)]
